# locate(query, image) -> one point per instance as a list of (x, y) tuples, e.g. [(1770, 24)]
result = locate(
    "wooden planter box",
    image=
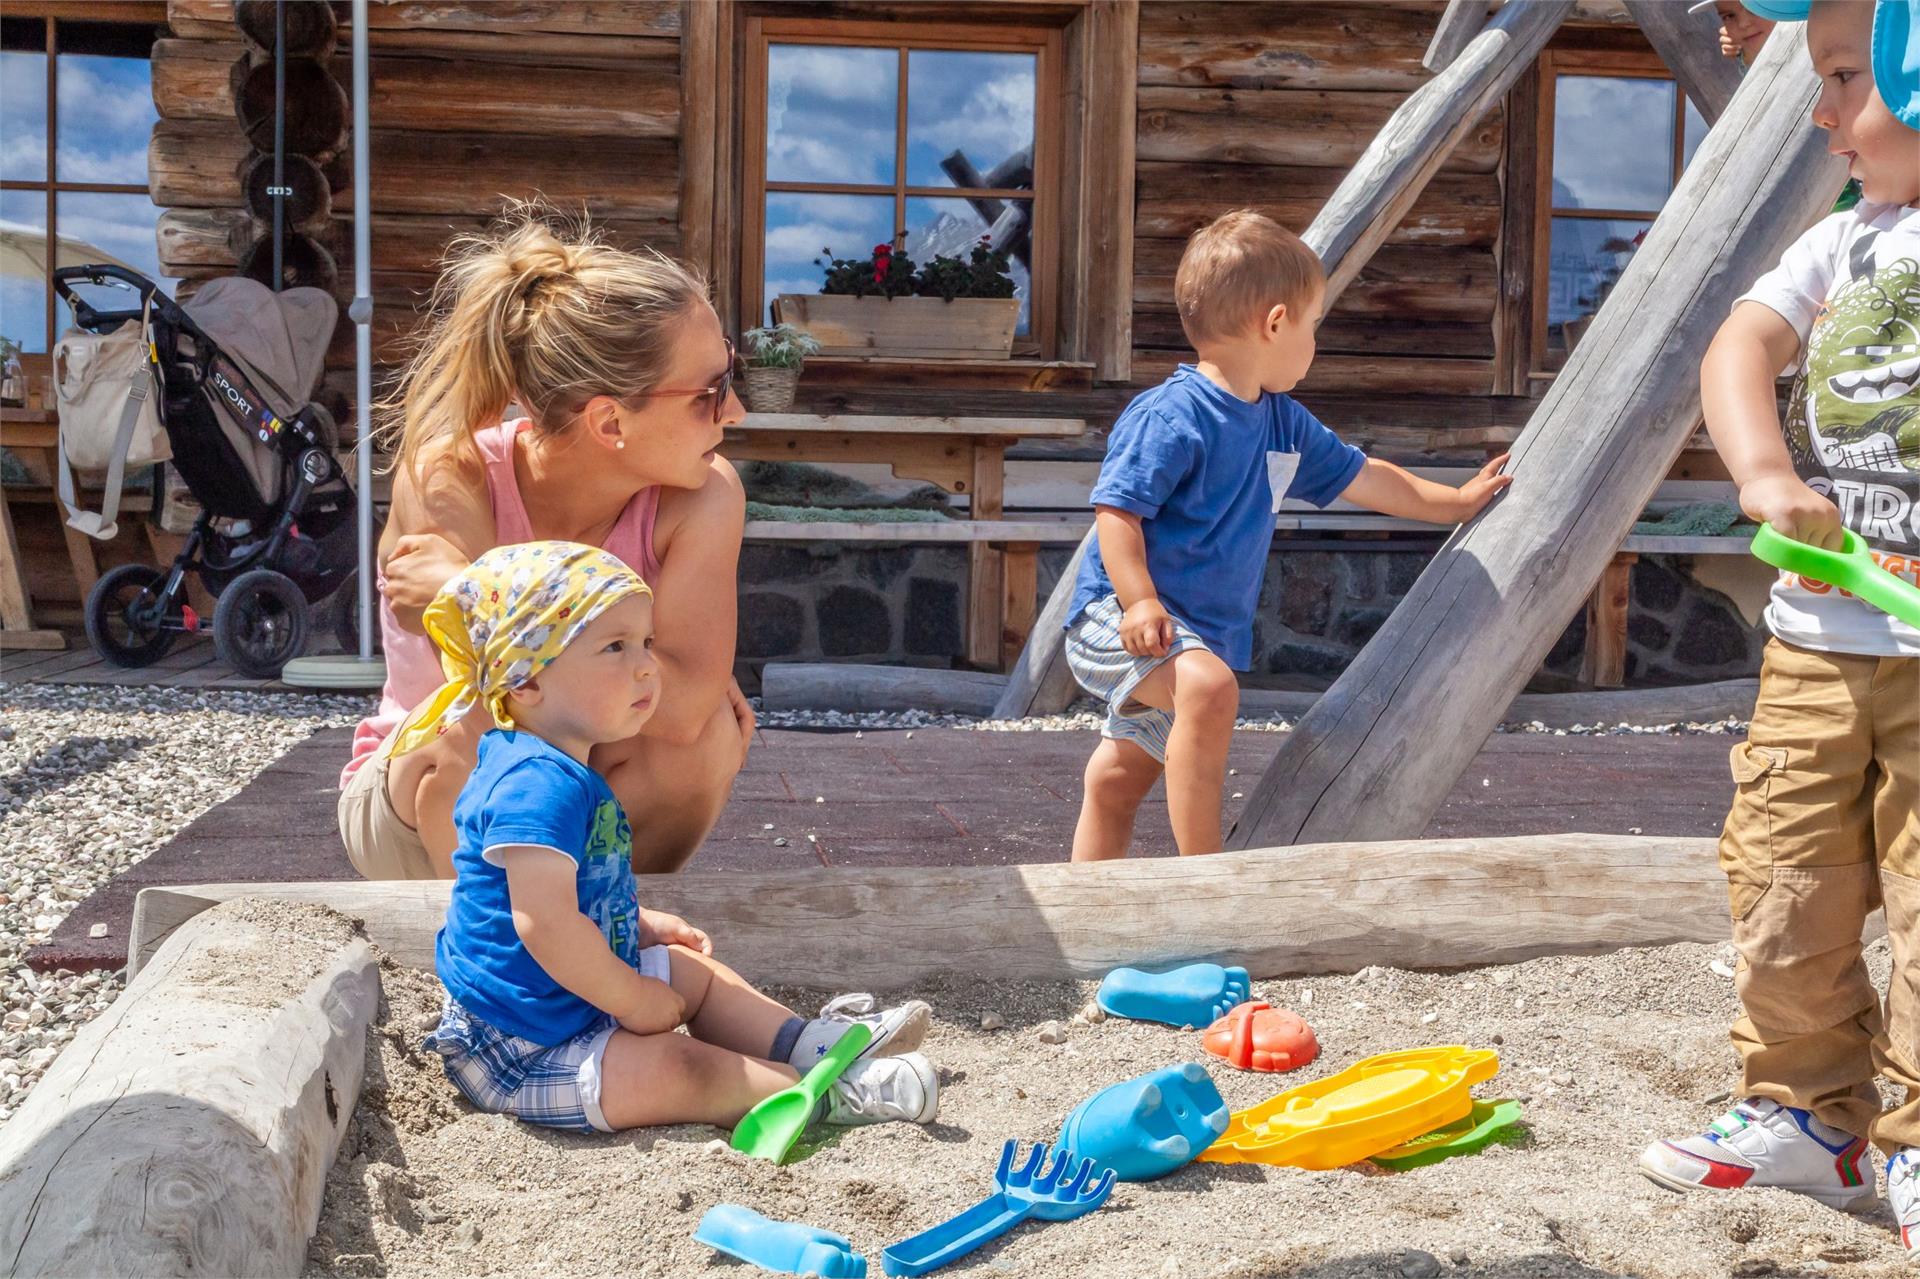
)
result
[(965, 328)]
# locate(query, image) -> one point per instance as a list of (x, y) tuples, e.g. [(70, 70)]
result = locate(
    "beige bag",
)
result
[(109, 415)]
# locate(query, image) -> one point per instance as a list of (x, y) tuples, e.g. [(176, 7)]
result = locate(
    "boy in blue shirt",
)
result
[(1196, 469)]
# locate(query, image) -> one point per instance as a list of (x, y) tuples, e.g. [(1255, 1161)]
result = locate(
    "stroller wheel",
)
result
[(345, 607), (126, 616), (260, 623)]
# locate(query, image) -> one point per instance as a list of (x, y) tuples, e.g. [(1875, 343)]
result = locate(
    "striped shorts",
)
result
[(1104, 667), (553, 1085)]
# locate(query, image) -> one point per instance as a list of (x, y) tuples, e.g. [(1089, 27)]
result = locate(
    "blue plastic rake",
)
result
[(1059, 1192)]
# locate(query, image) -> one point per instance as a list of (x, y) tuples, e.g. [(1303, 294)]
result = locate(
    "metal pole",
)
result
[(361, 313), (279, 135)]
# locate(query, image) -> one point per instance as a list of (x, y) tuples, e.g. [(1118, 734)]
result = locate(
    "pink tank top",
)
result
[(413, 663)]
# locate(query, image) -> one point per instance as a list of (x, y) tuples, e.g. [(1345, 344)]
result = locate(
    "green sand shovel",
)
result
[(1850, 568), (769, 1130)]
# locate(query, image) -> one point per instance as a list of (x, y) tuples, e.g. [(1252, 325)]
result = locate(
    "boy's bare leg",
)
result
[(1204, 696), (1118, 777), (722, 1009)]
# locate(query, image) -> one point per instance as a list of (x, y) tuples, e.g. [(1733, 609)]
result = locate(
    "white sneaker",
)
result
[(895, 1030), (1903, 1192), (877, 1089), (1762, 1143)]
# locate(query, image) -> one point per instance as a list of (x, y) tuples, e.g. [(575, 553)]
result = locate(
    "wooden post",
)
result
[(1604, 663), (188, 1129), (985, 564), (1021, 569), (700, 56), (1361, 213), (1107, 185), (1459, 24), (1378, 753), (1689, 43)]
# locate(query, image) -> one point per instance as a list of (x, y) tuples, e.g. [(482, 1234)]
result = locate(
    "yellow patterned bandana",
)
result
[(503, 618)]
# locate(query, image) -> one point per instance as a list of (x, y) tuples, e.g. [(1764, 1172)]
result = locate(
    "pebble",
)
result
[(98, 930), (992, 1021), (1093, 1014), (1561, 1078), (1459, 1257), (1719, 969), (781, 842), (1415, 1264), (716, 1147), (1427, 1019), (1051, 1032), (766, 826)]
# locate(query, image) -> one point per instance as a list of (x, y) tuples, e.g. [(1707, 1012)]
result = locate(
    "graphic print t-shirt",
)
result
[(526, 791), (1851, 288)]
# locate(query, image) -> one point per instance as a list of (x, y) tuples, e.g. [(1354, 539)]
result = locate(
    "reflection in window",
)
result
[(801, 228), (23, 93), (830, 113), (23, 297), (105, 114), (1586, 259), (952, 228), (970, 119)]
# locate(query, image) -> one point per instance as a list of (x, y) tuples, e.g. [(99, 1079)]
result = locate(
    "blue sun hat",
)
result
[(1896, 49)]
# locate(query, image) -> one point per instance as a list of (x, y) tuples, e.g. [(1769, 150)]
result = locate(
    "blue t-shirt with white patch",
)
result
[(1206, 472), (524, 790)]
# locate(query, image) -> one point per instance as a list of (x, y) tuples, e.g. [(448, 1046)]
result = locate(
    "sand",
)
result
[(1607, 1053)]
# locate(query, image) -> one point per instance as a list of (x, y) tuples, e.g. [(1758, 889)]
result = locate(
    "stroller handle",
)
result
[(86, 316)]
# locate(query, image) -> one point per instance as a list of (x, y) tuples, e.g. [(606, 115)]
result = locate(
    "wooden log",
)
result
[(796, 686), (189, 1128), (310, 28), (1380, 751), (193, 240), (1422, 134), (195, 164), (1177, 199), (1689, 43), (202, 19), (303, 263), (1328, 129), (1439, 903), (589, 18), (1402, 281), (317, 110), (1282, 45), (311, 203), (193, 79), (458, 93), (1459, 24), (1389, 374), (1344, 334)]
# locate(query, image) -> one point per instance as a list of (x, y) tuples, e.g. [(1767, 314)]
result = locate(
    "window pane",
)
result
[(953, 227), (23, 109), (96, 227), (105, 114), (1696, 132), (830, 113), (23, 295), (1588, 256), (1612, 143), (970, 119), (801, 228)]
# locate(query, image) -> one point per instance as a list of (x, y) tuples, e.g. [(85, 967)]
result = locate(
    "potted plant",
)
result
[(884, 304), (773, 359)]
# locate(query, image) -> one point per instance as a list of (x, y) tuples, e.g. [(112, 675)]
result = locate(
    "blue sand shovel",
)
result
[(1059, 1193)]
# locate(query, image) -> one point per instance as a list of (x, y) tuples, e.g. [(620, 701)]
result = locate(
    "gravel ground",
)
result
[(92, 779)]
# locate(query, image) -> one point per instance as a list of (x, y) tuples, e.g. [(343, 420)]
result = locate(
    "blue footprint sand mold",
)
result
[(784, 1246), (1147, 1127), (1191, 996)]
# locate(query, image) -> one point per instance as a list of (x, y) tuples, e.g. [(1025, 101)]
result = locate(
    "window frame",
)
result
[(54, 16), (1042, 339), (1610, 64)]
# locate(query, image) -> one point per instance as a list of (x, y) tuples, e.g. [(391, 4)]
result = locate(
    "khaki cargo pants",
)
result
[(1825, 826)]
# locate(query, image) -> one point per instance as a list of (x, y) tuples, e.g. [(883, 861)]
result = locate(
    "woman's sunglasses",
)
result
[(720, 388)]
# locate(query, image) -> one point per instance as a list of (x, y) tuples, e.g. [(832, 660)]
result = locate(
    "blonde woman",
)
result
[(624, 377)]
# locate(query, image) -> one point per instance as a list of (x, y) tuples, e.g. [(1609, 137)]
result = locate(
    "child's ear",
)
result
[(1276, 319), (528, 694)]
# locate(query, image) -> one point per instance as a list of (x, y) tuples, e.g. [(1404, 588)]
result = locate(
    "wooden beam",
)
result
[(1438, 903), (1040, 683), (1380, 751), (1603, 663), (188, 1130), (986, 565), (1107, 191), (1459, 24), (1689, 43), (699, 77)]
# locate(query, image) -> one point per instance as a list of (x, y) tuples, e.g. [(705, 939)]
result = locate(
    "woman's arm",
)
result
[(695, 605), (440, 519), (542, 889)]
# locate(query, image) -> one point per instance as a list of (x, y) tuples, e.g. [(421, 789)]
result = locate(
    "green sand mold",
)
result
[(1487, 1123), (769, 1130), (1850, 568)]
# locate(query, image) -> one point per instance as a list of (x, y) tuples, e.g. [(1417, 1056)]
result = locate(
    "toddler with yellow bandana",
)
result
[(563, 993)]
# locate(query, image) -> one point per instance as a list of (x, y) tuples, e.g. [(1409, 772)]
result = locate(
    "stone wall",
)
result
[(906, 604)]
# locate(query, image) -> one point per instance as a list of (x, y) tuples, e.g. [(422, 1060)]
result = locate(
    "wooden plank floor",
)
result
[(190, 664), (933, 797)]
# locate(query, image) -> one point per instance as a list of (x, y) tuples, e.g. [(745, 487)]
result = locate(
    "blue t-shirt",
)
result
[(1206, 472), (524, 790)]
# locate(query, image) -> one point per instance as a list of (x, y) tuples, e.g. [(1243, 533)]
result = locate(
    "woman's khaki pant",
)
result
[(1825, 826)]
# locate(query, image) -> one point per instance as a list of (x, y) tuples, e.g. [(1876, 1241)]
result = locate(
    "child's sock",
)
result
[(785, 1038)]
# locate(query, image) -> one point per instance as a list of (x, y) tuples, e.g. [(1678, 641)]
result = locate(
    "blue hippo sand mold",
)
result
[(784, 1246), (1147, 1127), (1194, 995)]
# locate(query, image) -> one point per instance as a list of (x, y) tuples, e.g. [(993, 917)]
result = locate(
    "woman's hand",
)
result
[(743, 715), (420, 564), (663, 929)]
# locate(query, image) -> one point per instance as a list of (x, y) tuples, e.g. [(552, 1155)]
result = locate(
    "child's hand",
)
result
[(1729, 47), (662, 929), (1793, 509), (657, 1009), (1479, 490), (1146, 629)]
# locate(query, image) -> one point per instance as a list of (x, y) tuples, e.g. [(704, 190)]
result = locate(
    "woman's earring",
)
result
[(619, 444)]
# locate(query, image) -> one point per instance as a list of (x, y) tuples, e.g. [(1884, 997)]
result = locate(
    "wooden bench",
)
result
[(965, 456), (33, 433)]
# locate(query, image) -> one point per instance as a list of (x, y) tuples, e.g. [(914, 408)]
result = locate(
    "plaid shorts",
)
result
[(1104, 667), (553, 1085)]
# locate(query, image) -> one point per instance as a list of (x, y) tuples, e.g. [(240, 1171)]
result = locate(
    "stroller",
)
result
[(276, 532)]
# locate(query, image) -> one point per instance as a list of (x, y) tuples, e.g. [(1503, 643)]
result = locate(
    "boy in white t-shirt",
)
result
[(1825, 823)]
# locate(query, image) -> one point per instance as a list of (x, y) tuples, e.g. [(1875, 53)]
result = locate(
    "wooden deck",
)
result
[(191, 664)]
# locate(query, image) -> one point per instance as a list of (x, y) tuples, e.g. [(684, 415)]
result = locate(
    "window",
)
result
[(78, 108), (1617, 133), (857, 135)]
